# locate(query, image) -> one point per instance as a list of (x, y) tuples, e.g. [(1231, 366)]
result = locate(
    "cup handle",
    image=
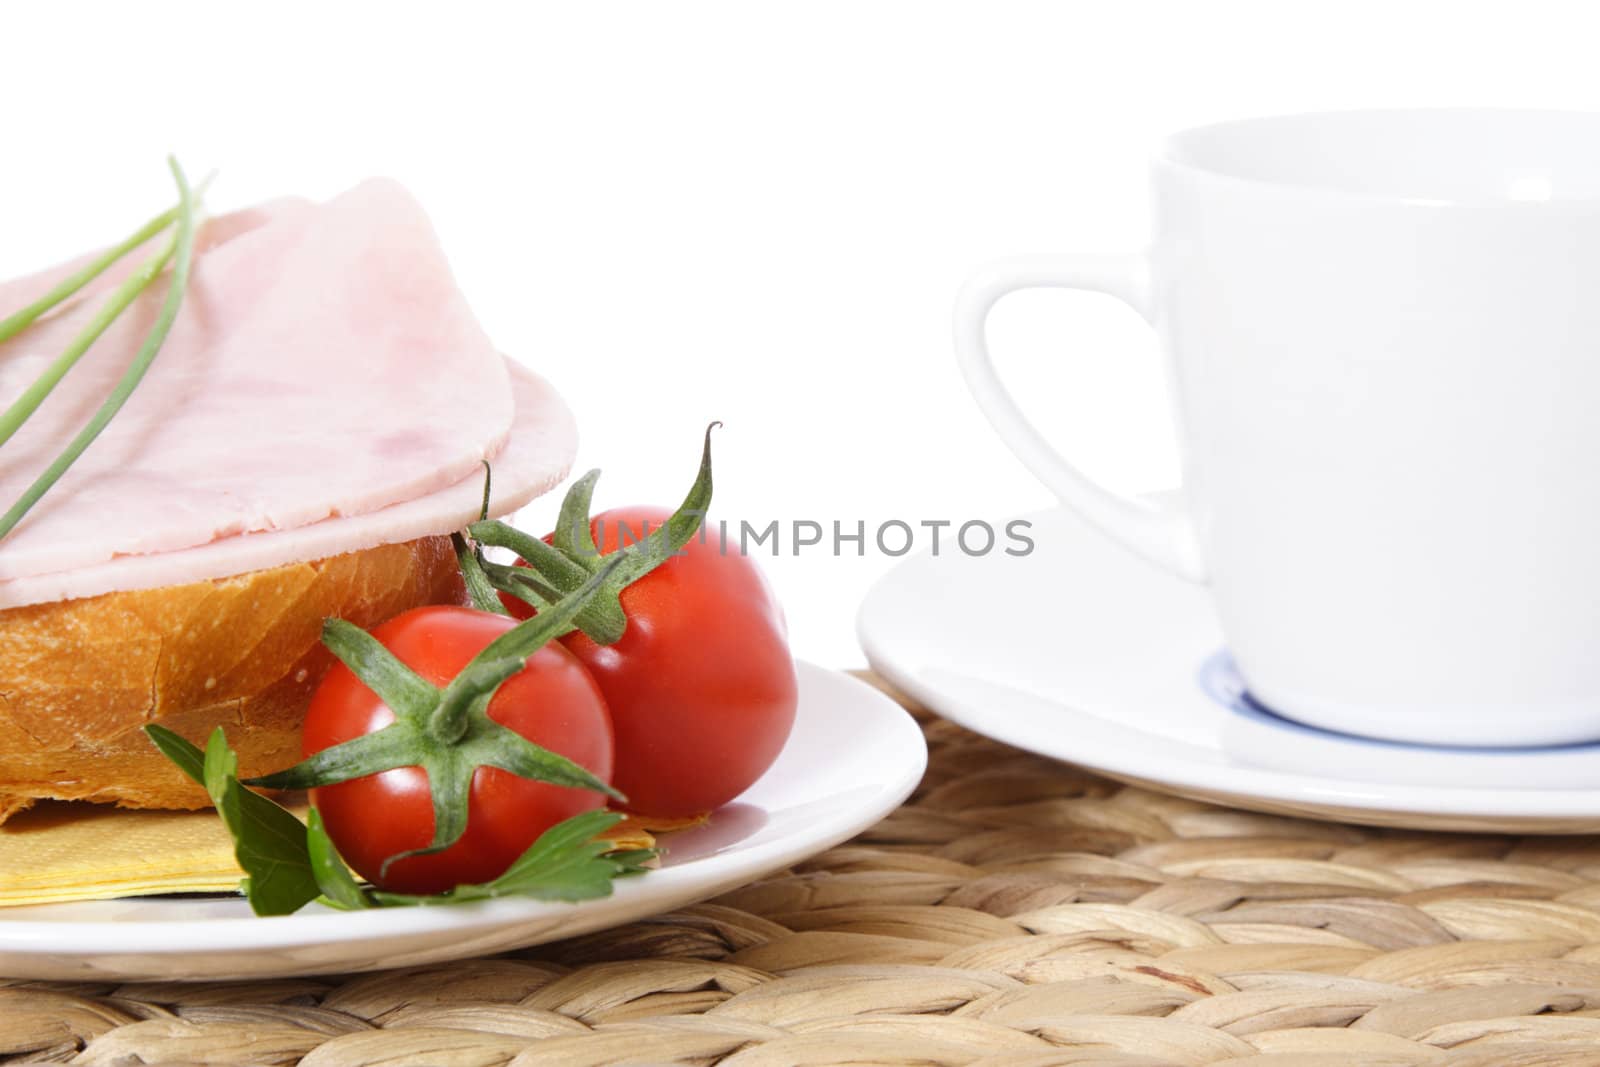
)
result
[(1162, 534)]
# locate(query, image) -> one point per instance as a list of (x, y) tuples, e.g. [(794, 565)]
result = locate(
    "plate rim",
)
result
[(63, 939)]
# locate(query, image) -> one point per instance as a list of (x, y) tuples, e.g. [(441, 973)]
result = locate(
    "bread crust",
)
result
[(79, 678)]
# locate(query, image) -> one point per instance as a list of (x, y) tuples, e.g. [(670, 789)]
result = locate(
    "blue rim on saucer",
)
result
[(1256, 735)]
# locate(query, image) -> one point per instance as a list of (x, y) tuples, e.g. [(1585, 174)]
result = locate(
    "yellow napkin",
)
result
[(60, 851)]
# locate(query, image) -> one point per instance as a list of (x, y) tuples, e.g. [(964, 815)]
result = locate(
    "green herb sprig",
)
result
[(288, 864), (70, 285), (179, 252)]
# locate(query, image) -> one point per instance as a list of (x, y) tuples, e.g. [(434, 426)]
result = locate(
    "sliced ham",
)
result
[(325, 375), (538, 454)]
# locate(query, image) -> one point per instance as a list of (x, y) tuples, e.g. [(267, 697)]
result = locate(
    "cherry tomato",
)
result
[(553, 702), (701, 687)]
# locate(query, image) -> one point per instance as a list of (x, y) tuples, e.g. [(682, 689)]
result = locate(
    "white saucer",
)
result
[(853, 757), (1081, 652)]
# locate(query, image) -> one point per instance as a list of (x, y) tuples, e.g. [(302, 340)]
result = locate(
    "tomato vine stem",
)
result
[(571, 556)]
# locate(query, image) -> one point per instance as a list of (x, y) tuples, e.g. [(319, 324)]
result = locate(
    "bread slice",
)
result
[(79, 678)]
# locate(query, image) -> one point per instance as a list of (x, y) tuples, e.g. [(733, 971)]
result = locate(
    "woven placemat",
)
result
[(1014, 911)]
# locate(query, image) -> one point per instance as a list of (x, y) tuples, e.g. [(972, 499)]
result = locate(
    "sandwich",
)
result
[(324, 412)]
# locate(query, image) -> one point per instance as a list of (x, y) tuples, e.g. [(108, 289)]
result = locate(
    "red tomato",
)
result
[(553, 702), (701, 687)]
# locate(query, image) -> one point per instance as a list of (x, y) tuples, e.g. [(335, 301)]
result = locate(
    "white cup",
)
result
[(1383, 334)]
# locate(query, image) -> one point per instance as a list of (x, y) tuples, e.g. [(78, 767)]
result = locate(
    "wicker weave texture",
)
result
[(1015, 911)]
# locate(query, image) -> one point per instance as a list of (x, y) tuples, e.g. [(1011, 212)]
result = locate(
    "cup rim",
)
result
[(1170, 155)]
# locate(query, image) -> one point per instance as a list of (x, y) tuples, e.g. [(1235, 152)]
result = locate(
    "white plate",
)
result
[(1082, 652), (853, 757)]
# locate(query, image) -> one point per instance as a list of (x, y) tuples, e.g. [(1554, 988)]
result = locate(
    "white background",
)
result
[(745, 211)]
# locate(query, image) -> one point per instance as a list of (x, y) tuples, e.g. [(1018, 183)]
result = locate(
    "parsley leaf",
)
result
[(268, 841), (567, 862), (339, 886)]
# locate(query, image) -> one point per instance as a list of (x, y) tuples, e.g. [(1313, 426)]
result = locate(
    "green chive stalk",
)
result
[(181, 253), (13, 417), (21, 320)]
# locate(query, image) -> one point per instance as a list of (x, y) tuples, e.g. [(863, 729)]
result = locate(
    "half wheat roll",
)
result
[(79, 678)]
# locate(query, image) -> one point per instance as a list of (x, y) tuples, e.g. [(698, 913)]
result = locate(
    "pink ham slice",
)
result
[(324, 369), (538, 454)]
